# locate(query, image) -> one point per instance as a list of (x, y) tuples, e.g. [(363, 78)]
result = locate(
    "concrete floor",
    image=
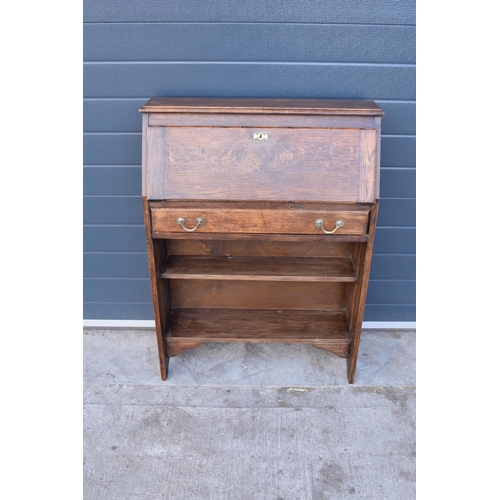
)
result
[(245, 422)]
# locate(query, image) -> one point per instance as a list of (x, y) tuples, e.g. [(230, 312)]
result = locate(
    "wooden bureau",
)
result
[(260, 217)]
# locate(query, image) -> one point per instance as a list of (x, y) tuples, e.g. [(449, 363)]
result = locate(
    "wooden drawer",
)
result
[(269, 221), (262, 164)]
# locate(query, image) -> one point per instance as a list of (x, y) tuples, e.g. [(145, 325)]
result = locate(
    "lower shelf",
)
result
[(259, 268), (189, 328)]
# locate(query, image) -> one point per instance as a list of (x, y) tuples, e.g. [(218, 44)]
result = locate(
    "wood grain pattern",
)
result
[(117, 149), (258, 247), (258, 325), (282, 238), (189, 328), (230, 165), (145, 119), (378, 126), (260, 120), (368, 165), (353, 291), (159, 289), (257, 295), (259, 268), (155, 166), (359, 297), (342, 350), (240, 221), (121, 115), (258, 105), (262, 205)]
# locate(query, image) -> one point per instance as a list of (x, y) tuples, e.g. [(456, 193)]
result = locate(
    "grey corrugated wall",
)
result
[(137, 49)]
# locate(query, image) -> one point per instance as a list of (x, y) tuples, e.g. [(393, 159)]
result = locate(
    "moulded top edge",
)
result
[(256, 105)]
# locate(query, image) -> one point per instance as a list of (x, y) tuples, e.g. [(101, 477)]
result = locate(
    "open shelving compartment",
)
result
[(262, 289)]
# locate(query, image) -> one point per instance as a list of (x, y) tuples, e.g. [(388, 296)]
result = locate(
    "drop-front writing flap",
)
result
[(252, 163)]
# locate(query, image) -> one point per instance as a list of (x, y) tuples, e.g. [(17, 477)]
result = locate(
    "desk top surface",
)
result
[(264, 106)]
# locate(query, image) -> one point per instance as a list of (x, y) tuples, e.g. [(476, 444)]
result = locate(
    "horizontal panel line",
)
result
[(399, 168), (140, 133), (117, 323), (113, 225), (267, 63), (142, 225), (252, 61), (132, 98), (397, 198), (114, 98), (117, 252), (393, 279), (141, 302), (390, 254), (233, 201), (120, 302), (398, 135), (246, 23), (107, 278), (113, 133), (390, 305), (115, 165), (124, 278), (150, 323), (112, 166), (396, 101)]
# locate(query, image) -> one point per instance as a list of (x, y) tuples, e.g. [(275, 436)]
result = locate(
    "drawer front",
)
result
[(246, 163), (240, 221)]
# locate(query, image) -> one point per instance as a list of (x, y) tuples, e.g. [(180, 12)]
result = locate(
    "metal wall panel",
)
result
[(241, 42), (233, 11), (137, 49)]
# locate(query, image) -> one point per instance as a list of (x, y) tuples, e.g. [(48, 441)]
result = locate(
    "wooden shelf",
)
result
[(265, 237), (193, 327), (259, 268)]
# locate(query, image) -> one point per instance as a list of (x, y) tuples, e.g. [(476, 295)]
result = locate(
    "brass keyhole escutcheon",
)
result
[(260, 136)]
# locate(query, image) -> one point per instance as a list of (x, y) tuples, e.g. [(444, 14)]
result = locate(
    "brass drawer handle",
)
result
[(320, 223), (181, 221)]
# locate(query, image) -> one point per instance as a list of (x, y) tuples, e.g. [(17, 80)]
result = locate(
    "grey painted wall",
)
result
[(137, 49)]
